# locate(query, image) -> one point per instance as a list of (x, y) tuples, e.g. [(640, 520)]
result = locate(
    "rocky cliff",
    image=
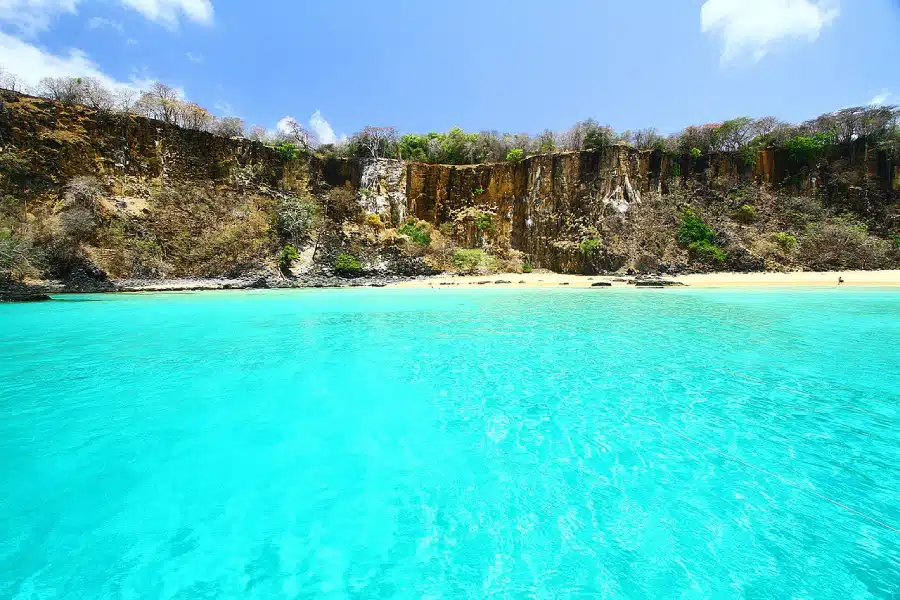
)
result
[(108, 196)]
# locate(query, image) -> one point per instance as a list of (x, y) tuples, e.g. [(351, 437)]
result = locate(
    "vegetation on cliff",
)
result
[(95, 194)]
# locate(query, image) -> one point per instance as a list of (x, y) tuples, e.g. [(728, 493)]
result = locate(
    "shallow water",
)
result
[(452, 444)]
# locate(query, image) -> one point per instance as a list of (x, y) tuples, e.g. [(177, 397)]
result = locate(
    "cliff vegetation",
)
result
[(93, 193)]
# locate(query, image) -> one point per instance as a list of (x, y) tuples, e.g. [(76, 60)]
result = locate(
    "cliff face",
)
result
[(175, 202), (545, 205)]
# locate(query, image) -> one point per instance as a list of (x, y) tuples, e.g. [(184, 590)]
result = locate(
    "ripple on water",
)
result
[(460, 444)]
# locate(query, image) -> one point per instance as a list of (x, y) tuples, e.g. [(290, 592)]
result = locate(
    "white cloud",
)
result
[(223, 108), (322, 129), (197, 58), (285, 125), (100, 22), (168, 12), (880, 98), (751, 27), (33, 16), (31, 64)]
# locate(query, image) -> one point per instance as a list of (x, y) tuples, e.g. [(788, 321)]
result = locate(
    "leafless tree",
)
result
[(588, 135), (95, 95), (292, 131), (258, 133), (228, 127), (126, 99), (545, 141), (68, 90), (160, 102), (192, 116), (695, 136), (377, 141), (845, 125), (11, 81), (644, 139)]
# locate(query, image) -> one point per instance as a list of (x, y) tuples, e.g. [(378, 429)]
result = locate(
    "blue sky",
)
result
[(512, 66)]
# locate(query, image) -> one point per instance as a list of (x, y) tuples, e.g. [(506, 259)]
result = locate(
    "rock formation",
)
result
[(179, 203)]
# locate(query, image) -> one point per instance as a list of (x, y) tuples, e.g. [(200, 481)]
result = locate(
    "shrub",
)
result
[(526, 268), (895, 241), (374, 221), (745, 214), (706, 252), (416, 231), (288, 255), (842, 243), (484, 222), (14, 163), (447, 229), (590, 246), (287, 151), (699, 238), (147, 259), (804, 149), (478, 191), (347, 264), (469, 261), (78, 224), (83, 192), (785, 241), (16, 256), (341, 203), (696, 153), (297, 217), (515, 155), (694, 229)]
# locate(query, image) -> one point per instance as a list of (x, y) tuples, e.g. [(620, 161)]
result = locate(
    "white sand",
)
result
[(712, 280)]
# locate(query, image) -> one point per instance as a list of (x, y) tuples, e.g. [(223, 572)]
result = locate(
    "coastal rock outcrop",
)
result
[(172, 202)]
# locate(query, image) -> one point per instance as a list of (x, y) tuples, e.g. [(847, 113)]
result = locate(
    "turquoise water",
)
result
[(452, 444)]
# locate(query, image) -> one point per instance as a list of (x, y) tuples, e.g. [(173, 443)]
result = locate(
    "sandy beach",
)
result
[(711, 280)]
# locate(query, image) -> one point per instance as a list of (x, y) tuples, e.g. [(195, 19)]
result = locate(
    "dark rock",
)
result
[(23, 297), (502, 281), (601, 284), (657, 283), (564, 283), (19, 292)]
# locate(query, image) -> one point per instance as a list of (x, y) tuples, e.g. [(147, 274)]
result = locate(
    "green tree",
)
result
[(347, 264), (515, 155), (288, 255), (416, 231), (699, 238)]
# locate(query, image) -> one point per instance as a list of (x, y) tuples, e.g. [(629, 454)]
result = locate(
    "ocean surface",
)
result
[(611, 443)]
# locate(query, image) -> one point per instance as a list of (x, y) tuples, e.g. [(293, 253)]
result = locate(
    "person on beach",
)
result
[(840, 280)]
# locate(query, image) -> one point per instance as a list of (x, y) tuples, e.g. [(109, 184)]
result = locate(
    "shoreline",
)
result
[(699, 280), (541, 279)]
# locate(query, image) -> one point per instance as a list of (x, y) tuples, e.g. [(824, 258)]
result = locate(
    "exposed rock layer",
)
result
[(542, 207)]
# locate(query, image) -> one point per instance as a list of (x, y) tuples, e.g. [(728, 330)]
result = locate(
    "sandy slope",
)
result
[(720, 280)]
